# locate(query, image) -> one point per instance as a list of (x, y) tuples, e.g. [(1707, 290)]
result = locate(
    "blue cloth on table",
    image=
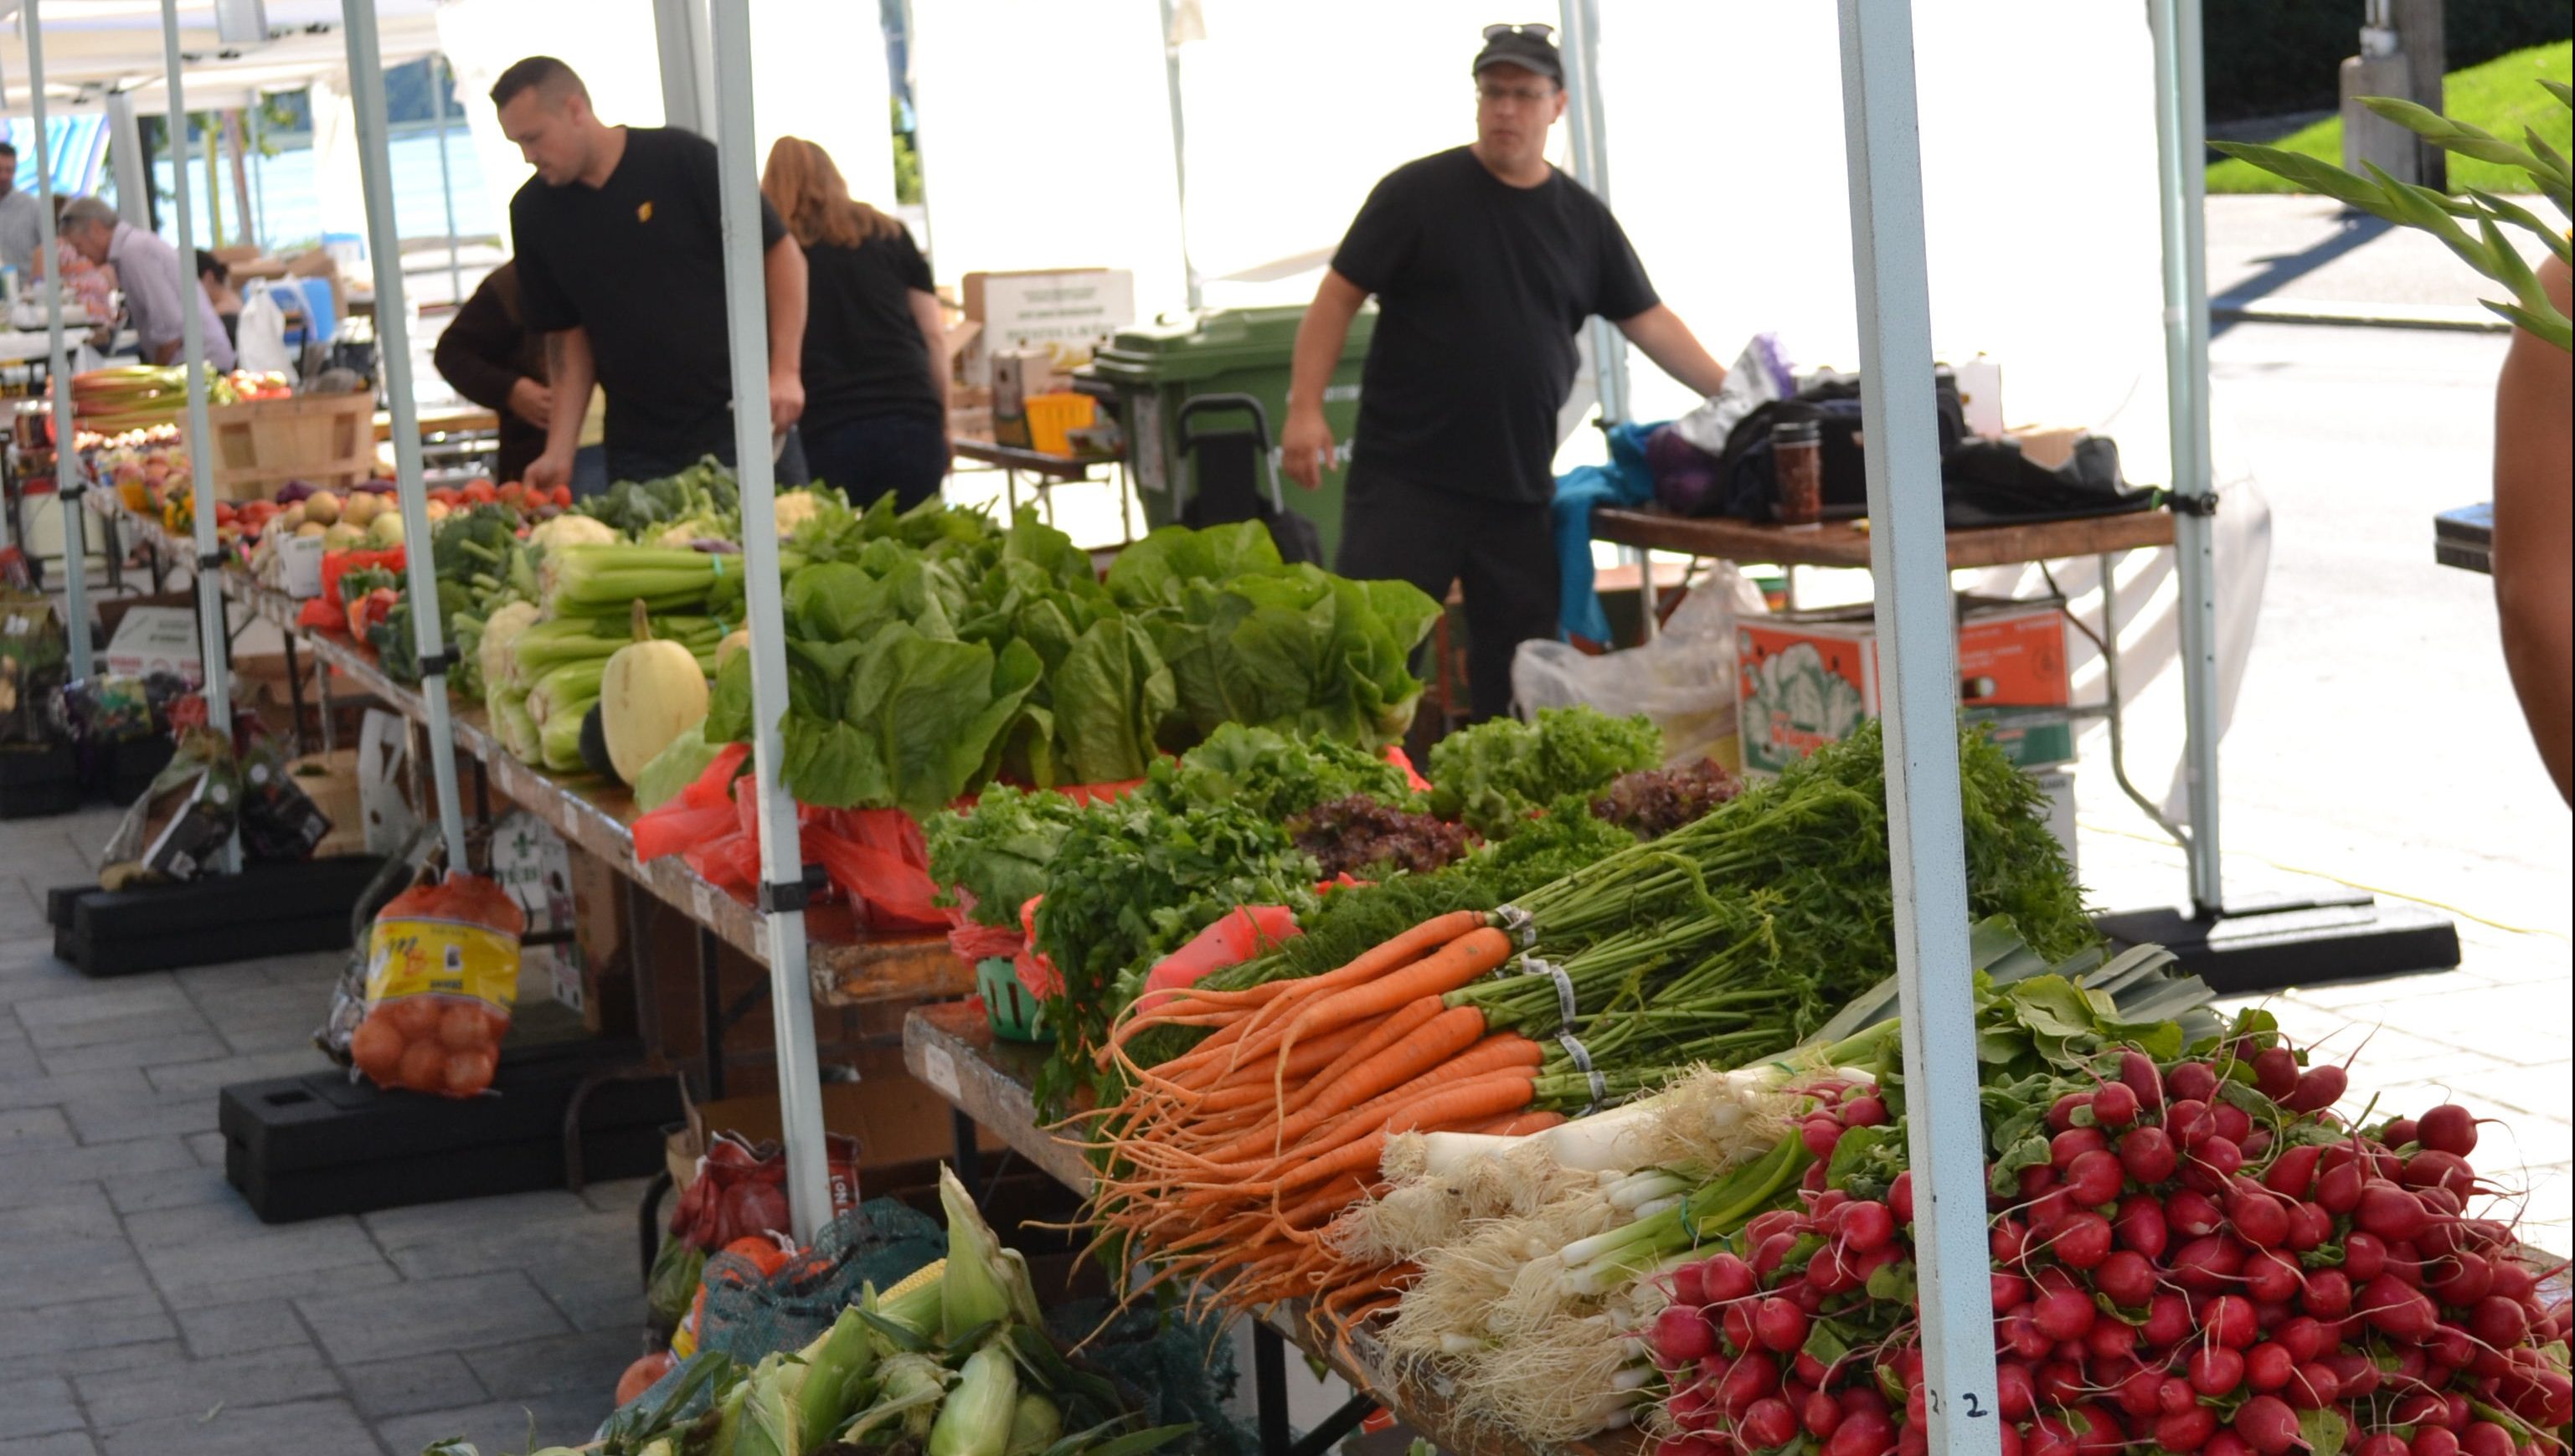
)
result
[(1625, 481)]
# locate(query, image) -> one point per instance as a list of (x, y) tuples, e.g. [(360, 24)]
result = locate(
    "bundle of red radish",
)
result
[(2191, 1256)]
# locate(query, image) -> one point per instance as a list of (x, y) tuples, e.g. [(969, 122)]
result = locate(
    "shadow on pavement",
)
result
[(2356, 230)]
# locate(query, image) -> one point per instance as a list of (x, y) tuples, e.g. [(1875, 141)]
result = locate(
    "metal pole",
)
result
[(781, 861), (446, 180), (1180, 146), (215, 648), (125, 140), (674, 34), (393, 344), (2180, 141), (69, 487), (1908, 552), (258, 173), (1580, 21)]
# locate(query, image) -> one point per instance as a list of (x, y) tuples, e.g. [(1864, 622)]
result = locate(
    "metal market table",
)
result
[(1051, 470), (951, 1049)]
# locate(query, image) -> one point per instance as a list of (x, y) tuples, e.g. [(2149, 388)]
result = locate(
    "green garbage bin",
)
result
[(1154, 369)]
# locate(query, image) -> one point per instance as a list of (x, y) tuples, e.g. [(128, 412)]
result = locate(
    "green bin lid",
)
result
[(1218, 341)]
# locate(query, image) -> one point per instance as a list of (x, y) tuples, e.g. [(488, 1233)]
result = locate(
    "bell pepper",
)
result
[(1237, 935)]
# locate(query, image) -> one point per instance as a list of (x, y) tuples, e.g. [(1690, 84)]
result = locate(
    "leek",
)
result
[(978, 1418), (513, 727), (583, 577), (559, 741), (549, 645), (500, 633)]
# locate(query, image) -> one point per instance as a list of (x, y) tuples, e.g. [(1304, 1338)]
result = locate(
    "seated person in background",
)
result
[(217, 279)]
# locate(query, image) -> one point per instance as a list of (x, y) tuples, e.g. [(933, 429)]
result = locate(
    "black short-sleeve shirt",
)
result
[(638, 262), (864, 354), (1481, 287)]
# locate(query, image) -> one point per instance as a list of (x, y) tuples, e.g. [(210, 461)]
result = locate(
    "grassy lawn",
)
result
[(2502, 96)]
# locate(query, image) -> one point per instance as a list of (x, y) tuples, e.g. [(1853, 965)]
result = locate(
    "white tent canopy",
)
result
[(97, 47)]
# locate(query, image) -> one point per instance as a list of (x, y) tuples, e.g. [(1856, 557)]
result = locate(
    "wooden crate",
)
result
[(259, 445)]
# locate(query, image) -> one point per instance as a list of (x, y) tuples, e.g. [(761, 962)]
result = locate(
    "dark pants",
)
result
[(1501, 554), (872, 453)]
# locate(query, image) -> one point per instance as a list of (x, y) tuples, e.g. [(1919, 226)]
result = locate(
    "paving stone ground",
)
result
[(148, 1310)]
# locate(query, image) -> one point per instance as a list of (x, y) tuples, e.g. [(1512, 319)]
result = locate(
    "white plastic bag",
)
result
[(1684, 679), (1761, 373), (261, 343)]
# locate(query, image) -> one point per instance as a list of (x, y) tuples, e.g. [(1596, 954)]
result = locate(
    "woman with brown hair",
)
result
[(876, 350)]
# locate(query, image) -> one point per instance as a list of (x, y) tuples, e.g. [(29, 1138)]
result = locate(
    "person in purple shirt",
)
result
[(156, 285)]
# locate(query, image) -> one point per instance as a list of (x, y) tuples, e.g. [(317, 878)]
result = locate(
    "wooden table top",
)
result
[(1846, 542)]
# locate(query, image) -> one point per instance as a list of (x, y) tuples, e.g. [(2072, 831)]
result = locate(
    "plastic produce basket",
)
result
[(1016, 1014), (1053, 419)]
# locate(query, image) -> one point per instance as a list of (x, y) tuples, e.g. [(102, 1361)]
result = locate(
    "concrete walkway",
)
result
[(149, 1311), (2311, 253)]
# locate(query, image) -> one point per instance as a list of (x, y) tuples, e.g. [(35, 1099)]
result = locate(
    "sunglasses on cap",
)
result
[(1533, 32)]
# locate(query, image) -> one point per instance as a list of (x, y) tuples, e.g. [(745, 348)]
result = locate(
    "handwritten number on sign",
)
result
[(1975, 1411)]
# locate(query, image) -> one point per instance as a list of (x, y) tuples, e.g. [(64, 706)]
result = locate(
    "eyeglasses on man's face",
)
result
[(1497, 95)]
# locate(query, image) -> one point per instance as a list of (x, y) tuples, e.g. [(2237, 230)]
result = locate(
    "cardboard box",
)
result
[(1019, 373), (2047, 446), (895, 1117), (1069, 311), (384, 747), (599, 926), (331, 782), (149, 639), (1809, 678), (532, 863), (299, 567)]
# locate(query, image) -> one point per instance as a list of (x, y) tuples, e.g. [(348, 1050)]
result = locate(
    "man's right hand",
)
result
[(1307, 447), (548, 471), (532, 402)]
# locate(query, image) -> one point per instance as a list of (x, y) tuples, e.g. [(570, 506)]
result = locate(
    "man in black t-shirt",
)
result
[(619, 246), (1486, 262)]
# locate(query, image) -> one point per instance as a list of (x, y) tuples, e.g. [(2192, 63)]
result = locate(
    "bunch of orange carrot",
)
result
[(1225, 1163)]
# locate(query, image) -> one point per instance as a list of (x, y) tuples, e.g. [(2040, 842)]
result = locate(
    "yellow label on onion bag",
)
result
[(409, 956)]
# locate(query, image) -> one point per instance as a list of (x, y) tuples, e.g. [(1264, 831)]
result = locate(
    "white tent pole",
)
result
[(675, 36), (69, 487), (1908, 554), (216, 641), (1579, 20), (1171, 40), (782, 857), (438, 74), (133, 179), (393, 345), (2180, 153)]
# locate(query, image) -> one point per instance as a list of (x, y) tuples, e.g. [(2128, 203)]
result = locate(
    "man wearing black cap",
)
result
[(1486, 262)]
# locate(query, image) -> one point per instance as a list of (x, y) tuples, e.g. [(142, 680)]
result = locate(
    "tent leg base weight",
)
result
[(2267, 946)]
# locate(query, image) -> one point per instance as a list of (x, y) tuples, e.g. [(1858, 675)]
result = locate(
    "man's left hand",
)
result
[(786, 400)]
